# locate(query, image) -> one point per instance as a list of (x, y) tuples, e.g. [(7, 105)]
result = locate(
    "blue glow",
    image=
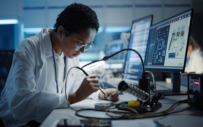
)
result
[(117, 29), (8, 21), (88, 56), (32, 30), (100, 29), (22, 32)]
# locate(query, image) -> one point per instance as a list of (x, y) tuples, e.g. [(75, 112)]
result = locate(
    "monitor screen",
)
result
[(138, 42), (167, 44), (113, 47)]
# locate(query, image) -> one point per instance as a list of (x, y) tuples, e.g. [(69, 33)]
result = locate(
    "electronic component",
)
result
[(123, 86), (195, 85), (101, 106), (144, 103), (110, 95), (134, 103)]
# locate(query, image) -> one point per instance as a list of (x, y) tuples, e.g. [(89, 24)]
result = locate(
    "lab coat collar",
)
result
[(47, 42)]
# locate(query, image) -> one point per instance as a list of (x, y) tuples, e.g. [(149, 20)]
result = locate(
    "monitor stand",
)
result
[(176, 86)]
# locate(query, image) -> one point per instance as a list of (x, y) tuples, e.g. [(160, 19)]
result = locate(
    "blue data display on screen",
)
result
[(159, 53), (167, 43), (115, 48), (138, 41)]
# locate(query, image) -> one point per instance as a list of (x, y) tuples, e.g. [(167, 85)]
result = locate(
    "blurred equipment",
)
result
[(6, 58), (143, 102), (167, 48), (125, 36), (113, 47), (195, 90), (131, 88), (101, 106), (116, 62), (84, 123)]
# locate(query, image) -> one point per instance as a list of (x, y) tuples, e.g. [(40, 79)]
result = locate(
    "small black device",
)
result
[(84, 123), (195, 85), (147, 105)]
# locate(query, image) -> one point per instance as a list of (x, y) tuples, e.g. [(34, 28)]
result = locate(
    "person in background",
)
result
[(195, 56), (36, 82)]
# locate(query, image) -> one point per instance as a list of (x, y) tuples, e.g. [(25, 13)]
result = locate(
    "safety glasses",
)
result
[(80, 45)]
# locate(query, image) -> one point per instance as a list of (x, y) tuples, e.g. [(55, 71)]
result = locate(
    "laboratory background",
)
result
[(20, 19)]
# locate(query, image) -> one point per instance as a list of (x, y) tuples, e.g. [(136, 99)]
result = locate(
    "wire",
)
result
[(66, 85), (135, 115), (65, 89)]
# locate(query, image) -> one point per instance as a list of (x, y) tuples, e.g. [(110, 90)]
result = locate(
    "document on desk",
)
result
[(133, 123)]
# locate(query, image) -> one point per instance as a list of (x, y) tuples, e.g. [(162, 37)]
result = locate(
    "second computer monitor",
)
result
[(138, 41), (167, 43), (167, 48)]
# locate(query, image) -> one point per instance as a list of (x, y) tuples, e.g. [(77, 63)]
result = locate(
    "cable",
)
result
[(131, 109), (135, 115), (66, 85)]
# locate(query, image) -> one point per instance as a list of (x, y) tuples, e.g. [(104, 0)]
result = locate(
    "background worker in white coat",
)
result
[(195, 55), (35, 85)]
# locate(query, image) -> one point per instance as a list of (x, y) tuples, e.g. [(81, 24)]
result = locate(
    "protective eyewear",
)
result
[(81, 46)]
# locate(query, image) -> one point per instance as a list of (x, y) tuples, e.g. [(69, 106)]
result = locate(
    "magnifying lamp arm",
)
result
[(107, 57)]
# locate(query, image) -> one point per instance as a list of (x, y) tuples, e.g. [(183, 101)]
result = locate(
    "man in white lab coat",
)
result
[(35, 85)]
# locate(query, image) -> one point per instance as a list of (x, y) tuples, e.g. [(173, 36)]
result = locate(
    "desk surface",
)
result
[(188, 118)]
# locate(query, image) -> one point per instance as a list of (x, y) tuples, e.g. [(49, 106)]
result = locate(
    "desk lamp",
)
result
[(144, 80), (143, 92)]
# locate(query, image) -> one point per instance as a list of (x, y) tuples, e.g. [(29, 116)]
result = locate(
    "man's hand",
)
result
[(107, 91)]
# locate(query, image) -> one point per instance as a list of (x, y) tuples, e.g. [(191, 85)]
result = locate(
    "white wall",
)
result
[(43, 13), (11, 9), (111, 13)]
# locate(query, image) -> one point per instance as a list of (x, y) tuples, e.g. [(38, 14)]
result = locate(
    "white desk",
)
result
[(188, 118)]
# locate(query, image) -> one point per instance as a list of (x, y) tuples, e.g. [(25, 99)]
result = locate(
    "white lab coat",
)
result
[(195, 63), (27, 94)]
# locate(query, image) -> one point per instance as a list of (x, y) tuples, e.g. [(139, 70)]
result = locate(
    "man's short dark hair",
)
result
[(77, 17)]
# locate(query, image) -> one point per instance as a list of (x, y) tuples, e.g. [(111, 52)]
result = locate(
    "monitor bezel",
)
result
[(172, 70), (136, 20)]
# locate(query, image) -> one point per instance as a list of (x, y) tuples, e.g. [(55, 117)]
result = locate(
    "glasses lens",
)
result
[(79, 47), (89, 46), (82, 47)]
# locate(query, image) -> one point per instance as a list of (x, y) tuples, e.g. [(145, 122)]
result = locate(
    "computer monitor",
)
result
[(116, 62), (6, 58), (138, 41), (113, 47), (167, 47)]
